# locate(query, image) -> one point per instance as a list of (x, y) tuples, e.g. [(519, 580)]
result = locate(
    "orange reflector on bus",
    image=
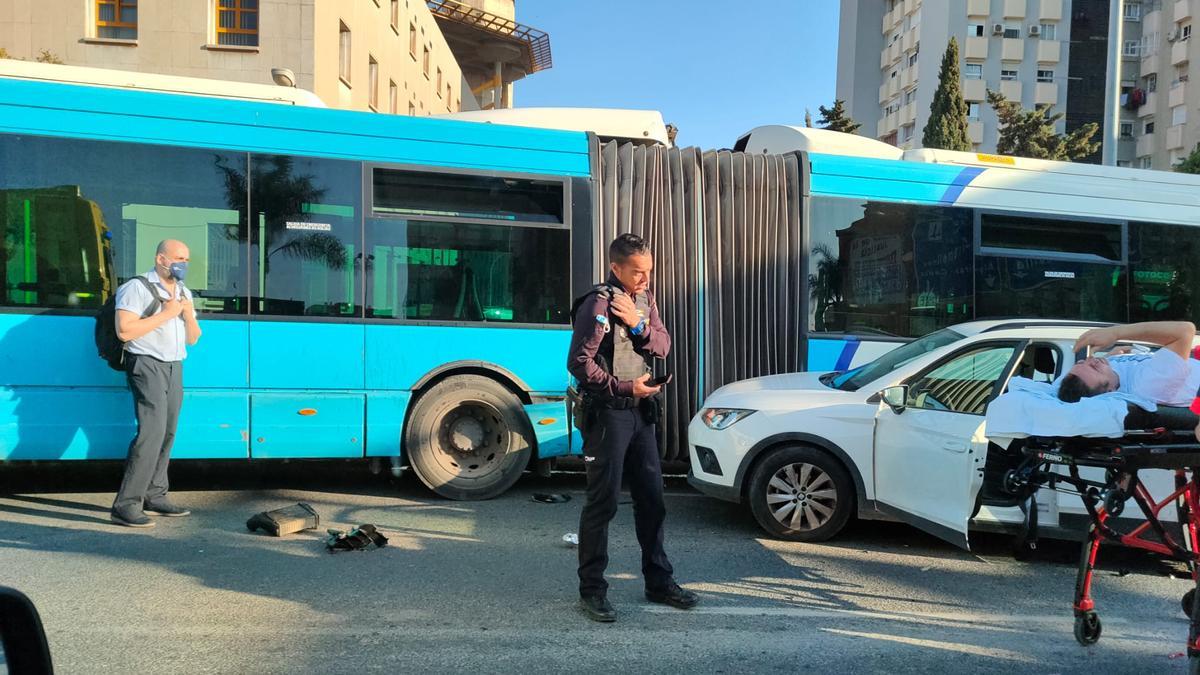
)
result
[(307, 412), (548, 420)]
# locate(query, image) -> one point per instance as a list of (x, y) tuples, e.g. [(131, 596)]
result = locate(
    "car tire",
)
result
[(800, 494), (468, 438)]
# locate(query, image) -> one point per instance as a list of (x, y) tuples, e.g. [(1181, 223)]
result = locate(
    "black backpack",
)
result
[(109, 346)]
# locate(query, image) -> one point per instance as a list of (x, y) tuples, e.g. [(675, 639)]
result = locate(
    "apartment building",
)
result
[(389, 56), (1166, 104), (1034, 51)]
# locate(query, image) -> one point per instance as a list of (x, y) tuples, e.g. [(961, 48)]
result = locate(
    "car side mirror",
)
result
[(895, 397), (24, 641)]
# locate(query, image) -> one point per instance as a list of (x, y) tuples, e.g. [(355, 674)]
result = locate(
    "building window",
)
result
[(1008, 75), (1185, 32), (912, 59), (396, 16), (412, 40), (973, 111), (1133, 11), (1126, 129), (1049, 31), (344, 52), (447, 94), (412, 109), (975, 30), (393, 97), (425, 61), (1045, 76), (973, 71), (1148, 128), (373, 81), (116, 19), (906, 132), (1145, 163), (1151, 83), (1132, 48), (438, 86), (1012, 32), (1123, 163), (1178, 115), (910, 96), (237, 23)]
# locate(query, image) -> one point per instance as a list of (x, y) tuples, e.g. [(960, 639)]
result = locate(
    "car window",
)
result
[(854, 379), (963, 383)]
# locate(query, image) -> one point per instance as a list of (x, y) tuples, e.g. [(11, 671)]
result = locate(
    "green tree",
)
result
[(825, 286), (947, 125), (48, 56), (4, 53), (1191, 164), (1030, 133), (836, 119)]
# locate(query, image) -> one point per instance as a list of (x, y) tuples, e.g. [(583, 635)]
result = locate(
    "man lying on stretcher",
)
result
[(1169, 376)]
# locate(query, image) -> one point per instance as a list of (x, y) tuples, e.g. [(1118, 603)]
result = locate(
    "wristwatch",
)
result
[(639, 328)]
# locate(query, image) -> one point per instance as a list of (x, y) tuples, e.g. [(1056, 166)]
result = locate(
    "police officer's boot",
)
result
[(598, 608)]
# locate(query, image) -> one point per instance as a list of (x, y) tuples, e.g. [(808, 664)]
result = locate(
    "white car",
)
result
[(806, 451)]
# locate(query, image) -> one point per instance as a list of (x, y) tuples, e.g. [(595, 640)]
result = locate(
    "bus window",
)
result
[(1050, 289), (81, 217), (1164, 279), (437, 271), (415, 193), (999, 233), (305, 236), (878, 268)]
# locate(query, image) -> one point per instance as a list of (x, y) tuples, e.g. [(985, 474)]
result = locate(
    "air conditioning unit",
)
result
[(997, 29), (1173, 35), (1035, 30)]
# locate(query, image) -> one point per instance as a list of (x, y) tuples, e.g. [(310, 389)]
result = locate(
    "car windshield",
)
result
[(852, 380)]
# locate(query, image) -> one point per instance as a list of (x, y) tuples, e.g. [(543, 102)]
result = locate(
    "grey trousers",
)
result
[(157, 388)]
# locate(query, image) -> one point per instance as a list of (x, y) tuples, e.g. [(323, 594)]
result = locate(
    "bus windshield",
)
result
[(852, 380)]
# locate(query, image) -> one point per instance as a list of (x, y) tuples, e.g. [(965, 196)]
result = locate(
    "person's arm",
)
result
[(132, 300), (586, 336), (1176, 336), (191, 326), (653, 338)]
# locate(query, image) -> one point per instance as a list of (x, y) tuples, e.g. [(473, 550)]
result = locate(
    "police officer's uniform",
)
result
[(605, 358)]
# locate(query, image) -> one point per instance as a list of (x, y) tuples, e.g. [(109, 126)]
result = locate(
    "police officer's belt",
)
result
[(617, 403)]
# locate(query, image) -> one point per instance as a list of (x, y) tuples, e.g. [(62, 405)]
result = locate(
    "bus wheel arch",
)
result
[(467, 436)]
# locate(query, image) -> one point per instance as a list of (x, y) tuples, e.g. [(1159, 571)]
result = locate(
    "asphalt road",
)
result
[(490, 586)]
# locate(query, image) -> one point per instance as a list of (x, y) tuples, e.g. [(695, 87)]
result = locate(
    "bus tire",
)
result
[(805, 482), (468, 438)]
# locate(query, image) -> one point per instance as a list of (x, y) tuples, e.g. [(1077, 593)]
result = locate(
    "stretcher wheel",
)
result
[(1186, 602), (1087, 628)]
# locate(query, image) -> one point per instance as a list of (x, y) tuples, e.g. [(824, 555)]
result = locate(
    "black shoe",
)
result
[(598, 608), (163, 507), (673, 595), (130, 519)]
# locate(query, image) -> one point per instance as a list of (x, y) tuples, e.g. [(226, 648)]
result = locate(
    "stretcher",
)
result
[(1164, 439)]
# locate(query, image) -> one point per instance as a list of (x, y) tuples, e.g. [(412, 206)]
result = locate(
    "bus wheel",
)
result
[(468, 438)]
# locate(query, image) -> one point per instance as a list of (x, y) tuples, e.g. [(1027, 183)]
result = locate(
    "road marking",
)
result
[(973, 650), (959, 618)]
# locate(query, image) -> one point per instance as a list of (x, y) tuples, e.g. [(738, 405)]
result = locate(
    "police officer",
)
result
[(617, 333), (156, 345)]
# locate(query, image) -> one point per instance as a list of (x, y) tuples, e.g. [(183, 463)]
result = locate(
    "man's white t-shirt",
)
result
[(1163, 377)]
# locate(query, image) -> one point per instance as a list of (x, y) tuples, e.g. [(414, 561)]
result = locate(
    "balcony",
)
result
[(1179, 52), (1178, 95), (1183, 10), (910, 39), (883, 93), (1013, 49), (1049, 51), (1045, 92), (1014, 9), (979, 7), (974, 90), (887, 124), (910, 6), (1050, 10), (1175, 137), (895, 51), (908, 114), (976, 48), (1145, 145), (893, 86), (908, 78), (1150, 107), (887, 21), (1011, 89), (975, 132)]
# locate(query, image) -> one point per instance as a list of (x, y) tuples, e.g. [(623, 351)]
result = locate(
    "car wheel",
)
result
[(468, 438), (801, 494)]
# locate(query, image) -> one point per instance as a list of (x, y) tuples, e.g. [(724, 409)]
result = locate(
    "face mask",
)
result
[(178, 270)]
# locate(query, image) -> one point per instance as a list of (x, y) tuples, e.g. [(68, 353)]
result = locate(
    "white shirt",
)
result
[(168, 342), (1163, 377)]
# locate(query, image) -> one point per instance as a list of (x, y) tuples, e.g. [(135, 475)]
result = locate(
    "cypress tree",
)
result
[(947, 125)]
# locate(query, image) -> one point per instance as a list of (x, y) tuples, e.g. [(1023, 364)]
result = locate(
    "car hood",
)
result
[(773, 391)]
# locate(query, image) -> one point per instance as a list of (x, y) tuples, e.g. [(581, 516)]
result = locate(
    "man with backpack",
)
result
[(156, 321), (617, 334)]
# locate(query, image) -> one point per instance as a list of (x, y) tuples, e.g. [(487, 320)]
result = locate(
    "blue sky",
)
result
[(715, 68)]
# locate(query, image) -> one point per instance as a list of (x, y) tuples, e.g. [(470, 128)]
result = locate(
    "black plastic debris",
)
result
[(551, 498), (286, 520), (359, 539)]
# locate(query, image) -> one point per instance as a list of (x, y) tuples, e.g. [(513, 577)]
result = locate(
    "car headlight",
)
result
[(723, 418)]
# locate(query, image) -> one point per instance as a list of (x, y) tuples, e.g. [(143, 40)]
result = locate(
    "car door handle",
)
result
[(954, 446)]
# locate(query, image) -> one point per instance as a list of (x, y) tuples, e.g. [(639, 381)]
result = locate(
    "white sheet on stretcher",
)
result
[(1031, 408)]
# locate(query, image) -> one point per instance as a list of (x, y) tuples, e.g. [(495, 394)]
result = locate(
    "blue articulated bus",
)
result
[(364, 282)]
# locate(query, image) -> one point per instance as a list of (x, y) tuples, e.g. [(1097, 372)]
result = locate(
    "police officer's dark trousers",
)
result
[(157, 388), (622, 443)]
